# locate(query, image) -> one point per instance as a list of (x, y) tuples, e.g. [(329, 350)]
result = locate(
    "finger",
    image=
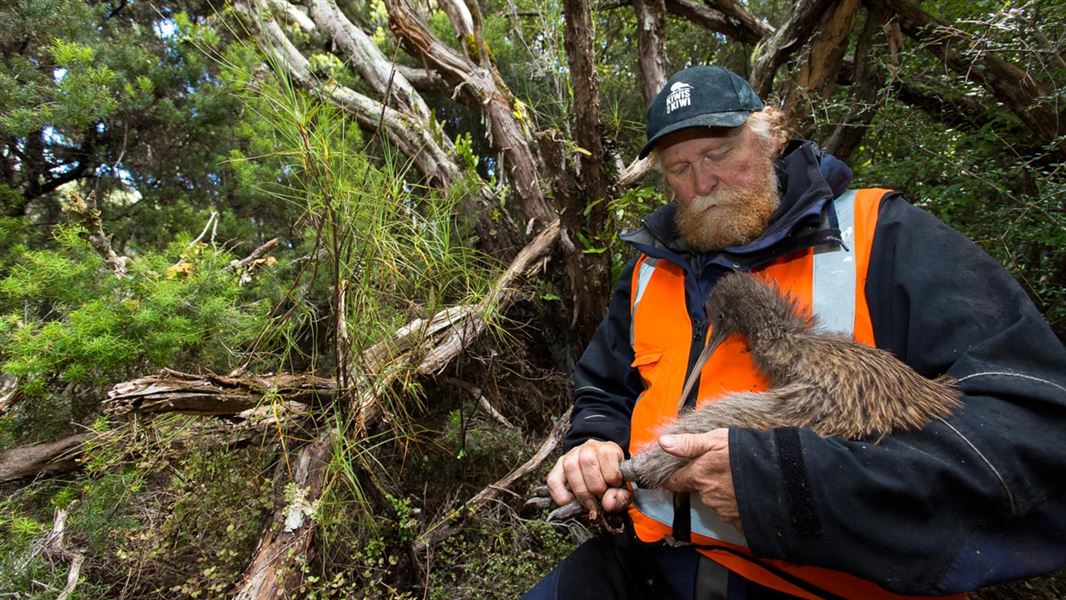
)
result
[(693, 445), (557, 487), (610, 457), (591, 470), (616, 499), (575, 478)]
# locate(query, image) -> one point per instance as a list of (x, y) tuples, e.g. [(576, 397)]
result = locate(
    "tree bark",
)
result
[(788, 38), (826, 50), (749, 30), (585, 198), (507, 117), (45, 457), (368, 61), (739, 15), (1014, 87), (651, 45), (868, 78), (210, 394)]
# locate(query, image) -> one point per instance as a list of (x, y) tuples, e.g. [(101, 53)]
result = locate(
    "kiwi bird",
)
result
[(819, 380)]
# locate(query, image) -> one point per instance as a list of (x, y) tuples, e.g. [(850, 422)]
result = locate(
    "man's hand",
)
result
[(708, 474), (590, 473)]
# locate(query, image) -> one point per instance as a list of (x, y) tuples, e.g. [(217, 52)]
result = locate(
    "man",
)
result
[(971, 500)]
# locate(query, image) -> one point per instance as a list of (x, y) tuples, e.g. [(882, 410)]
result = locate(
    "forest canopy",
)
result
[(290, 291)]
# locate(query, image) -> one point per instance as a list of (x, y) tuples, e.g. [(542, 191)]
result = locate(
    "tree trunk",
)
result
[(788, 38), (868, 78), (826, 51), (585, 198), (651, 46), (45, 457)]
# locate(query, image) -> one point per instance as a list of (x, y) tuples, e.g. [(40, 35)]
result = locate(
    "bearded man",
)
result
[(970, 500)]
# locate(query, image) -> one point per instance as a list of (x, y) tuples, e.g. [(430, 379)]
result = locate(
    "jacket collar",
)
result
[(808, 178)]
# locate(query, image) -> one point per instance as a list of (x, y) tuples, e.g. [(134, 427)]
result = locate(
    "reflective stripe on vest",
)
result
[(830, 282)]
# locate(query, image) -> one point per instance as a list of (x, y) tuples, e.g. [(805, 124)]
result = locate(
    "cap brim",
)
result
[(725, 119)]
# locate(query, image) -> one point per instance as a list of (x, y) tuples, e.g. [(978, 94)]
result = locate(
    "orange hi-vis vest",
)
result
[(830, 282)]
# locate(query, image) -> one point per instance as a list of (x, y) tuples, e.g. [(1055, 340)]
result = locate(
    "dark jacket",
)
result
[(975, 499)]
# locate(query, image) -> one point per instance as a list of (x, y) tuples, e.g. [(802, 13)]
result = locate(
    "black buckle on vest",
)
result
[(682, 518)]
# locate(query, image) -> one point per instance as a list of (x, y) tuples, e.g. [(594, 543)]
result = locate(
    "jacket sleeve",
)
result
[(606, 386), (973, 499)]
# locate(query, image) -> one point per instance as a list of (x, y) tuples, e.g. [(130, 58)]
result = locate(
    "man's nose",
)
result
[(706, 180)]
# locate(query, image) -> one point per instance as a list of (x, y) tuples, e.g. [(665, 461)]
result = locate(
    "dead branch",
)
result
[(403, 130), (63, 455), (367, 60), (9, 393), (211, 394), (51, 546), (507, 117), (43, 457), (88, 216), (748, 31), (487, 406), (246, 265), (439, 531), (634, 172)]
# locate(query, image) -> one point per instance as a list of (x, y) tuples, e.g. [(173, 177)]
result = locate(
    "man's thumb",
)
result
[(688, 445)]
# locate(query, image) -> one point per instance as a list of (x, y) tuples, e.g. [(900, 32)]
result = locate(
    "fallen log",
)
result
[(210, 394), (40, 458), (62, 455)]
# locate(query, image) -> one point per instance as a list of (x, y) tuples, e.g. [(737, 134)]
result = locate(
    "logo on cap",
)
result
[(680, 95)]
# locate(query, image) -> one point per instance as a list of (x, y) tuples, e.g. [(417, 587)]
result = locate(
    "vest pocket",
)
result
[(645, 361)]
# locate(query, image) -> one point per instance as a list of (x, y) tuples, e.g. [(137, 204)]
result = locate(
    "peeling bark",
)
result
[(584, 190), (210, 394), (823, 59)]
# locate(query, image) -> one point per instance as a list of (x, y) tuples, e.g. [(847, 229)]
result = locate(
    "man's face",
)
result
[(723, 182)]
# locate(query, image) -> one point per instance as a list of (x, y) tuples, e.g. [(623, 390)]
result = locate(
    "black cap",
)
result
[(700, 97)]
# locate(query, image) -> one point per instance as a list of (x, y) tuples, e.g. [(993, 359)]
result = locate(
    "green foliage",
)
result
[(497, 557), (148, 500), (68, 325)]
